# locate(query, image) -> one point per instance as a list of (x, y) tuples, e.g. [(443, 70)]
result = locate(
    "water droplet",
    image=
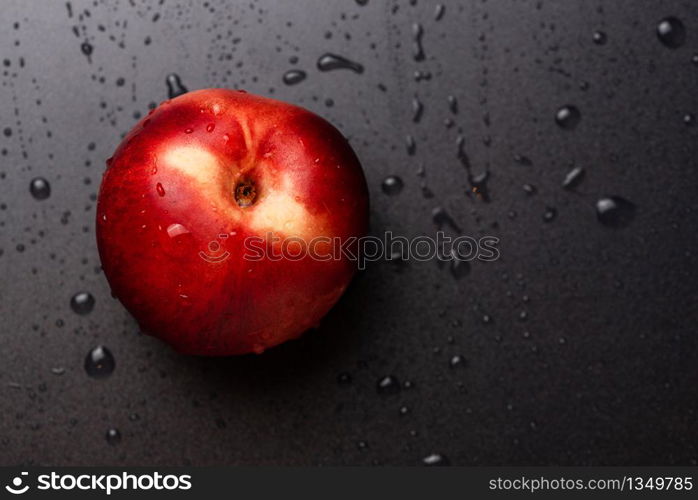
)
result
[(82, 303), (459, 268), (410, 145), (550, 214), (175, 87), (294, 76), (86, 48), (210, 127), (113, 437), (39, 188), (417, 109), (568, 117), (417, 48), (671, 32), (99, 362), (442, 218), (529, 189), (599, 38), (614, 211), (188, 130), (439, 11), (689, 119), (344, 378), (388, 385), (392, 185), (457, 361), (435, 460), (573, 178), (160, 189), (58, 370), (330, 62), (452, 104)]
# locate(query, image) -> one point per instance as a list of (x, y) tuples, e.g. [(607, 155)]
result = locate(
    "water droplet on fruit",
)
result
[(39, 188), (452, 104), (330, 62), (568, 117), (671, 32), (174, 230), (392, 185), (459, 268), (160, 189), (210, 127), (388, 385), (99, 362), (113, 437), (175, 87), (614, 211), (188, 130), (294, 76), (86, 48), (82, 303)]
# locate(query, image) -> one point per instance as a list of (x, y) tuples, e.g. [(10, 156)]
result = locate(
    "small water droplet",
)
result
[(599, 38), (417, 48), (573, 178), (439, 11), (529, 189), (452, 104), (568, 117), (113, 437), (210, 127), (442, 218), (435, 460), (671, 32), (689, 119), (457, 361), (175, 87), (294, 76), (417, 109), (392, 185), (614, 211), (459, 268), (82, 303), (550, 214), (388, 385), (39, 188), (86, 48), (410, 145), (331, 62), (99, 362), (160, 189), (344, 378)]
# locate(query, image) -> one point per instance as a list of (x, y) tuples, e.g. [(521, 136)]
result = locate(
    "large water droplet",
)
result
[(39, 188), (294, 76), (99, 362), (82, 303), (614, 211), (568, 117), (671, 32), (175, 87), (330, 62), (392, 185)]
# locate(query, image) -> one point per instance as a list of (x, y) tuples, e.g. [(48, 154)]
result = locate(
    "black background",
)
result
[(607, 372)]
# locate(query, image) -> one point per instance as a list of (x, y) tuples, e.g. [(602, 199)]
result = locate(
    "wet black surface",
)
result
[(578, 346)]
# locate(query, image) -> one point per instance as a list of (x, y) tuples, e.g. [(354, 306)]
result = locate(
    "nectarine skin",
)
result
[(172, 219)]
